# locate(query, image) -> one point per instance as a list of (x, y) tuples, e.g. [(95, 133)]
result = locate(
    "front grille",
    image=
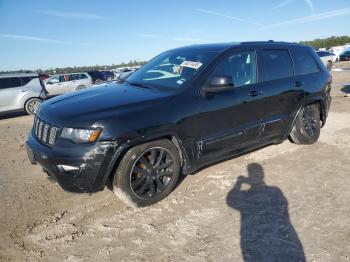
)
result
[(45, 132)]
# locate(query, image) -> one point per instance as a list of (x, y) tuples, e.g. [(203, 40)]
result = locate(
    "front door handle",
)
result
[(299, 84), (255, 93)]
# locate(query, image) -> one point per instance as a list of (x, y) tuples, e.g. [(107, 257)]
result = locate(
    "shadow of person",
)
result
[(267, 233)]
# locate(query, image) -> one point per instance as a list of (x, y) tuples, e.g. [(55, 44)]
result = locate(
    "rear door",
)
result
[(10, 91), (279, 90)]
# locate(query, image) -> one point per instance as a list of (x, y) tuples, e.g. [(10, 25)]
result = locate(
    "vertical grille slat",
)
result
[(41, 125), (53, 134), (45, 132)]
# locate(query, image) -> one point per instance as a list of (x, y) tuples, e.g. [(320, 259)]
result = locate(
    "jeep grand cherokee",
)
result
[(186, 108)]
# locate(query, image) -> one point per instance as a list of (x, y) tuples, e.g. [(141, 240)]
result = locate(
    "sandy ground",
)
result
[(297, 206)]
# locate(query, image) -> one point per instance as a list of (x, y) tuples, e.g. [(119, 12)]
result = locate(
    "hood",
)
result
[(83, 108)]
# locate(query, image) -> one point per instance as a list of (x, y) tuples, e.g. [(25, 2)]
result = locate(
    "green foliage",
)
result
[(77, 69), (328, 42)]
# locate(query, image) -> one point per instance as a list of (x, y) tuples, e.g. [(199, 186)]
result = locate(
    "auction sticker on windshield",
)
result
[(191, 64)]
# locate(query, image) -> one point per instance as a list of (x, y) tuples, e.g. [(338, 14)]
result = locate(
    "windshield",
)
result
[(171, 69)]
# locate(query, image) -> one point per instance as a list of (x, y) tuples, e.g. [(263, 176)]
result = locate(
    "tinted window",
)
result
[(304, 63), (276, 64), (25, 80), (82, 76), (241, 67), (9, 82)]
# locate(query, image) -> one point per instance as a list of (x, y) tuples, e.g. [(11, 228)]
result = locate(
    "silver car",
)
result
[(327, 58), (21, 91), (60, 84)]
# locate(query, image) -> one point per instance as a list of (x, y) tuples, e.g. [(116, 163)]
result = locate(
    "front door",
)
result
[(230, 120), (55, 86)]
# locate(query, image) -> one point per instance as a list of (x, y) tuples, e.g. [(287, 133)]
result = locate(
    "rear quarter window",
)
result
[(277, 64), (9, 82), (25, 80), (304, 62)]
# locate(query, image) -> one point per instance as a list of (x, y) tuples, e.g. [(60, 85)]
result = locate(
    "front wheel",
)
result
[(307, 126), (147, 173), (32, 105)]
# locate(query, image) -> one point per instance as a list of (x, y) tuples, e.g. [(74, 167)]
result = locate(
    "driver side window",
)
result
[(54, 80), (240, 66)]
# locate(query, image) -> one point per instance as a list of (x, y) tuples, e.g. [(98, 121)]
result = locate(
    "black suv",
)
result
[(186, 108)]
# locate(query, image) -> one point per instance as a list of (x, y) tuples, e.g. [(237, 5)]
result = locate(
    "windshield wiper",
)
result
[(139, 85)]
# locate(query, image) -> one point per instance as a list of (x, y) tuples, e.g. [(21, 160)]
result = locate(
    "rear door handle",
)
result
[(299, 83), (255, 93)]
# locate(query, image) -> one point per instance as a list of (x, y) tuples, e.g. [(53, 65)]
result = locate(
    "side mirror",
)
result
[(219, 84), (49, 83)]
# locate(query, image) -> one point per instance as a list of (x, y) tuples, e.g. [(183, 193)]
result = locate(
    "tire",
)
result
[(307, 126), (81, 87), (32, 105), (329, 65), (145, 175)]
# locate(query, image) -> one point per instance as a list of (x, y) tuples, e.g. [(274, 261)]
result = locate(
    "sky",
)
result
[(47, 34)]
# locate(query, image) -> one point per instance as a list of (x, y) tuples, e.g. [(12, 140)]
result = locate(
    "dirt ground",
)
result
[(298, 206)]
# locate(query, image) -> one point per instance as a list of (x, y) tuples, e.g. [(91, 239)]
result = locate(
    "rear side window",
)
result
[(304, 63), (277, 64), (25, 80), (8, 82)]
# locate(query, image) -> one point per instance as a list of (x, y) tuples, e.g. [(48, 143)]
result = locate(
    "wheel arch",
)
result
[(125, 147), (314, 100)]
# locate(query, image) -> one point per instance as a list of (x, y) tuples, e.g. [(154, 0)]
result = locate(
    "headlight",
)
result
[(80, 135)]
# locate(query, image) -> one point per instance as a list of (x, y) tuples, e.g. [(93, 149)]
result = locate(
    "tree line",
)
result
[(77, 69), (328, 42)]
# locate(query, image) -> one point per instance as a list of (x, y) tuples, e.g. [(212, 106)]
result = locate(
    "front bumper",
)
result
[(90, 163)]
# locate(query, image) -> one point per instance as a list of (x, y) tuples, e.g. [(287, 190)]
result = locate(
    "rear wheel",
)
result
[(32, 105), (307, 126), (329, 65), (147, 173), (81, 87)]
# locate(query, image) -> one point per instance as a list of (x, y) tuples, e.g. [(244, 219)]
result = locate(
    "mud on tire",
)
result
[(147, 173), (307, 126)]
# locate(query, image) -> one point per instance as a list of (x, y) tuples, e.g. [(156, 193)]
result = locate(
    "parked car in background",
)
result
[(109, 75), (345, 56), (185, 109), (97, 76), (60, 84), (337, 50), (22, 91), (327, 58), (124, 73)]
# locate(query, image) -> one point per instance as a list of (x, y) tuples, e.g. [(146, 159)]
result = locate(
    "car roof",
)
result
[(219, 47), (18, 75)]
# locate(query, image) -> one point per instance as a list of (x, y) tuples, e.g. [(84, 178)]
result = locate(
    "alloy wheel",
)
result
[(309, 120), (152, 173)]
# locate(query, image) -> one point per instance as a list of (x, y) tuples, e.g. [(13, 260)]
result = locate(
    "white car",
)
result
[(60, 84), (327, 58), (20, 91)]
